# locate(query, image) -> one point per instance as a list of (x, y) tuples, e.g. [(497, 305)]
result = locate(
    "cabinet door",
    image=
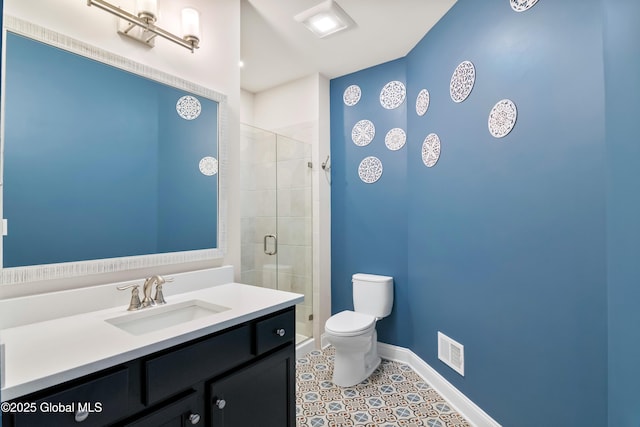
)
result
[(262, 394), (181, 412), (177, 369)]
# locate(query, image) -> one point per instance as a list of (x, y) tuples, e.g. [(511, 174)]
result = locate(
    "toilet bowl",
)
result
[(354, 337), (353, 333)]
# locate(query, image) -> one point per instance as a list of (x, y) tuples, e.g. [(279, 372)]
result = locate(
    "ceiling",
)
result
[(276, 49)]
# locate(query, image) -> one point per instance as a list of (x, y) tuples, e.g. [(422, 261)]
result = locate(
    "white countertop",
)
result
[(46, 353)]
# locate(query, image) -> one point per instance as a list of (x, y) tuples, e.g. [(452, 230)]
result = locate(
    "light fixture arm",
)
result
[(188, 42)]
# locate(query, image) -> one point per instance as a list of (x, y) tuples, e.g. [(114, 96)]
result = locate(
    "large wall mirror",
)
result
[(108, 165)]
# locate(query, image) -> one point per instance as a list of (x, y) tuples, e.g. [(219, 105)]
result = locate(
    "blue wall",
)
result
[(187, 200), (504, 245), (67, 201), (622, 71), (368, 224), (132, 181)]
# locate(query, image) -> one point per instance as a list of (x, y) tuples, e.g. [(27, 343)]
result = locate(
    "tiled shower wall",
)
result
[(277, 199)]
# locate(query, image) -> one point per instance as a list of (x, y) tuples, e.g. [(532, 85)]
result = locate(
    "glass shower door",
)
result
[(276, 218), (258, 180)]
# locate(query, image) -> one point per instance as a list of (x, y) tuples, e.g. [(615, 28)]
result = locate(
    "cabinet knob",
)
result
[(80, 416), (221, 403), (194, 418), (280, 332)]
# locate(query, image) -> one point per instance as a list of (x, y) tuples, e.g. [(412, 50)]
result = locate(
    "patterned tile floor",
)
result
[(394, 395)]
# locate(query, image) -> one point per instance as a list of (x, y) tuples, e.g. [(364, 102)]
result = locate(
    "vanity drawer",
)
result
[(97, 402), (275, 331), (170, 373)]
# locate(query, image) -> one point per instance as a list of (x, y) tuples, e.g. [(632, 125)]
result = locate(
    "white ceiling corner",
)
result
[(276, 49)]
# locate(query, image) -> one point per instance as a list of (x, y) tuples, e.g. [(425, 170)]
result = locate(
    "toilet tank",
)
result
[(372, 294)]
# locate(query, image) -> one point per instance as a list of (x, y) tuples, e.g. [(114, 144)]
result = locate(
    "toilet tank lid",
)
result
[(371, 277)]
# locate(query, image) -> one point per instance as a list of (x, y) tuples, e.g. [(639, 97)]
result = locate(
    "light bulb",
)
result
[(147, 9), (191, 25)]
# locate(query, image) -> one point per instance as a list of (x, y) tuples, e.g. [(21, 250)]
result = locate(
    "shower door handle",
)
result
[(275, 244)]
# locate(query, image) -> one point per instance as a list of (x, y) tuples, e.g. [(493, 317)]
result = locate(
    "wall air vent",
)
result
[(451, 353)]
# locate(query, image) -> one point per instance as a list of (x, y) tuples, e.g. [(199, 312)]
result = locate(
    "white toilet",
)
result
[(353, 333)]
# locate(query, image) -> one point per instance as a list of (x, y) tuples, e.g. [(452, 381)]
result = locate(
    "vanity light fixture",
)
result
[(325, 19), (141, 25)]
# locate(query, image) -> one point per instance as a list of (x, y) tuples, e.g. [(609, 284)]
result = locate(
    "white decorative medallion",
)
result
[(351, 95), (208, 166), (422, 102), (363, 132), (431, 150), (522, 5), (392, 95), (502, 118), (188, 107), (462, 81), (395, 139), (370, 169)]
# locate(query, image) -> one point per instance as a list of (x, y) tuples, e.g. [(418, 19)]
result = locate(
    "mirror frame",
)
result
[(35, 273)]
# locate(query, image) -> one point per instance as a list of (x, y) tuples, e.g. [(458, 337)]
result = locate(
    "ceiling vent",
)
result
[(451, 353)]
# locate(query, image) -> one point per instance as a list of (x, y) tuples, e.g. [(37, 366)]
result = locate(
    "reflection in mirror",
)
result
[(104, 168)]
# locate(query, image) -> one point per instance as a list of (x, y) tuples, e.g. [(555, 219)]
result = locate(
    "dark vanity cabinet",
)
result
[(243, 376), (263, 387)]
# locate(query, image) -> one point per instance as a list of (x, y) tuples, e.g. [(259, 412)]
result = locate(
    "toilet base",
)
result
[(353, 364)]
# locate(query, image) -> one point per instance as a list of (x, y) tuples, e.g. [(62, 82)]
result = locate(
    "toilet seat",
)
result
[(350, 323)]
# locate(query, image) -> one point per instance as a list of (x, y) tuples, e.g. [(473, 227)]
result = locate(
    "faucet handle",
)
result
[(135, 303), (160, 280), (159, 297)]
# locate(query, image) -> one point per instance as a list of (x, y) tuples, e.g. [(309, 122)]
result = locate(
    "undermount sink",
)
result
[(156, 318)]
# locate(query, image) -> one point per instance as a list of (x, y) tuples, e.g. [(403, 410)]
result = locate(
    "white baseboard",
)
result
[(305, 348), (324, 343), (461, 403)]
